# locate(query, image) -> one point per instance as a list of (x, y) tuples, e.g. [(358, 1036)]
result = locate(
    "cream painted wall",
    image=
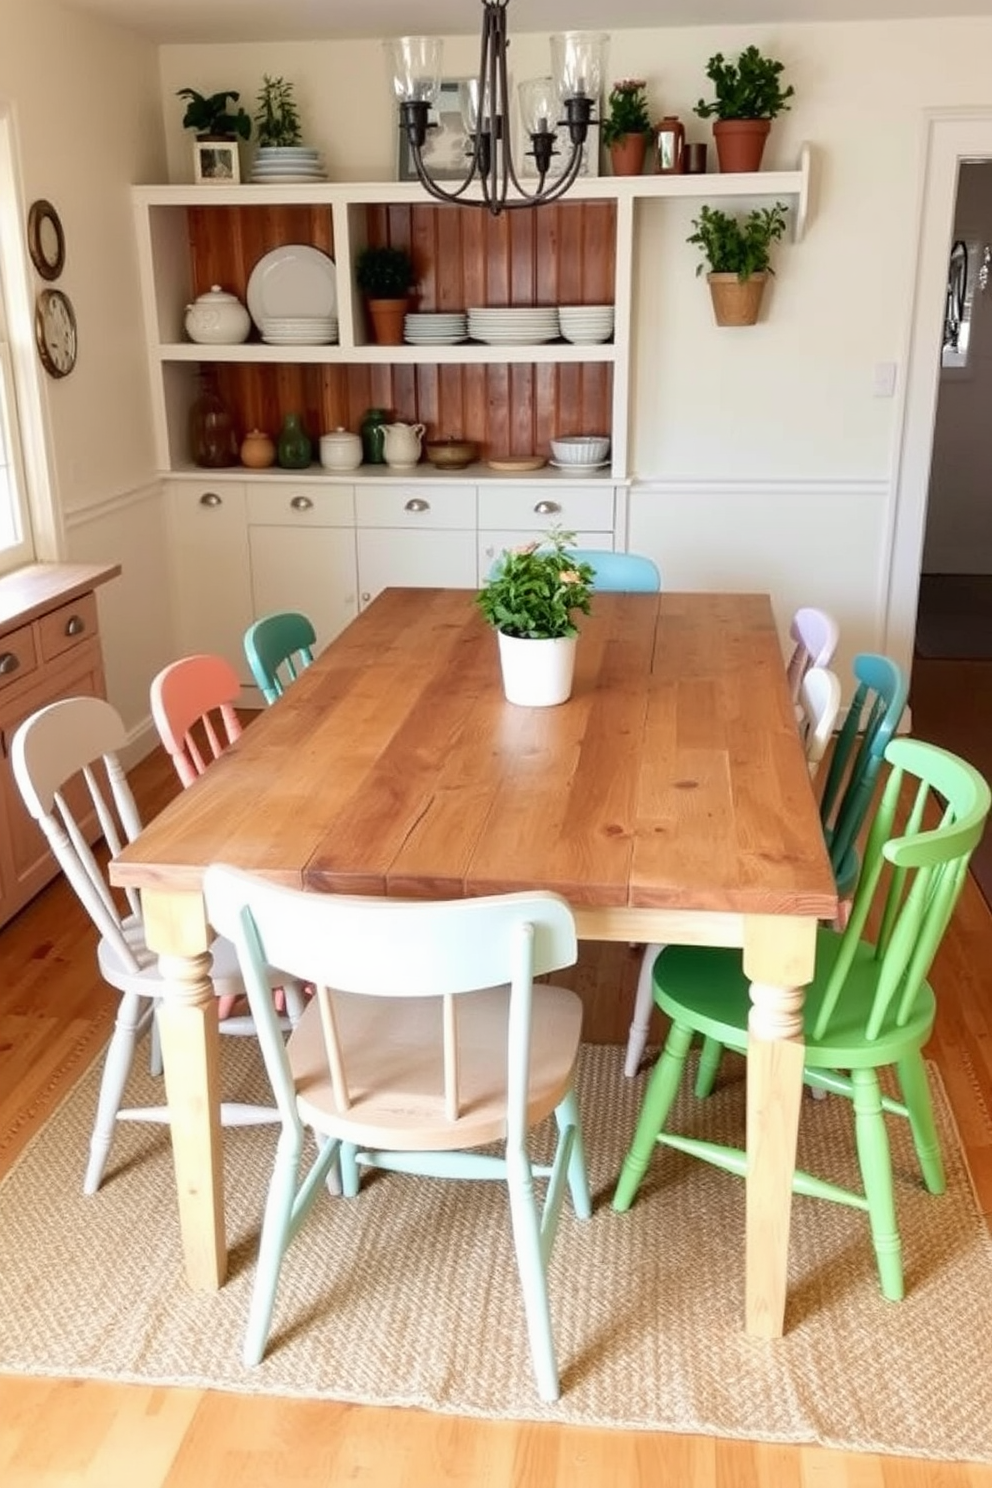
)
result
[(85, 100)]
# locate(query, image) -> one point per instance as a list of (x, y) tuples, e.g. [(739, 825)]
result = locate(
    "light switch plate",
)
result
[(885, 379)]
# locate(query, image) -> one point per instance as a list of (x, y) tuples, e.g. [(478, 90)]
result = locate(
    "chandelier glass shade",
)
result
[(566, 100)]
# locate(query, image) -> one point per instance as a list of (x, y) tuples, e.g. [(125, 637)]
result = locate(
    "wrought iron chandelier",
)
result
[(565, 100)]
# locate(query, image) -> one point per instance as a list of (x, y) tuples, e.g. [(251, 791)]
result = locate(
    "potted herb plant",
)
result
[(749, 95), (277, 116), (385, 276), (738, 258), (218, 129), (626, 128), (529, 599)]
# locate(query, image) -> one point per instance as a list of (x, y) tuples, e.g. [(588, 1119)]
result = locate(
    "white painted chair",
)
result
[(819, 704), (387, 1081), (64, 757), (815, 635)]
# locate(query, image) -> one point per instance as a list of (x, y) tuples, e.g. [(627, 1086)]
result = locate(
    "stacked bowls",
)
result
[(440, 328), (586, 324)]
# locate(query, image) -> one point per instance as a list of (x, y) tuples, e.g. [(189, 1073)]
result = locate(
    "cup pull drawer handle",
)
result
[(210, 498), (301, 503), (547, 508), (75, 625), (417, 504), (8, 663)]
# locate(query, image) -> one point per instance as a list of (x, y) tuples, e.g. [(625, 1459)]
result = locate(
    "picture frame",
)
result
[(445, 147), (216, 162)]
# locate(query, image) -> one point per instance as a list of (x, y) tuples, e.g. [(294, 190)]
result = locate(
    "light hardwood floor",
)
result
[(55, 1434)]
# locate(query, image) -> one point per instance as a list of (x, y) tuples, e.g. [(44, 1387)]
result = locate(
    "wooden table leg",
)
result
[(176, 929), (779, 955)]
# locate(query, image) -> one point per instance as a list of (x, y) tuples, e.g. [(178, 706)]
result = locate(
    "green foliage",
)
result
[(735, 245), (209, 114), (276, 116), (536, 588), (628, 111), (384, 273), (747, 89)]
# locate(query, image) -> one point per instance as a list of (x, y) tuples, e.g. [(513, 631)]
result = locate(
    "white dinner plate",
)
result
[(578, 469), (290, 282)]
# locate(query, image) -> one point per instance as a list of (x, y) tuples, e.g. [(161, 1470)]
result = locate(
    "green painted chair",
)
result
[(278, 648), (868, 1008)]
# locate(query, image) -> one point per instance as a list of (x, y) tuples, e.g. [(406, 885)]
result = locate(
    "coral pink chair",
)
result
[(193, 707)]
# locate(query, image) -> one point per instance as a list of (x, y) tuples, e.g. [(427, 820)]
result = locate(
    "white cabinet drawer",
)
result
[(278, 503), (416, 504), (537, 508)]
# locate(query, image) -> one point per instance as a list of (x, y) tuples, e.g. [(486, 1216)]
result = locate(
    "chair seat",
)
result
[(390, 1044), (711, 985)]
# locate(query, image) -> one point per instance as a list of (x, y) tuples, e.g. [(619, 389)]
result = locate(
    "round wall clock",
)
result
[(46, 240), (55, 332)]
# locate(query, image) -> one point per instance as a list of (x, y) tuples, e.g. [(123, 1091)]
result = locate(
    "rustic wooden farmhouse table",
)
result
[(668, 800)]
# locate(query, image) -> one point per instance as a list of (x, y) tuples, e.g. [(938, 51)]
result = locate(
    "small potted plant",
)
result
[(218, 129), (277, 116), (529, 599), (738, 258), (749, 95), (626, 129), (385, 276)]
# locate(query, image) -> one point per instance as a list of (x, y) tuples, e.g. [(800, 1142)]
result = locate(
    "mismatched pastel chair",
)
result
[(278, 647), (814, 634), (389, 1081), (66, 766), (819, 701), (869, 1007), (622, 573), (193, 706)]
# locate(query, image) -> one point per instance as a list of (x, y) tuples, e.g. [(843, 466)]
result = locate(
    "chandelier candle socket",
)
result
[(566, 99)]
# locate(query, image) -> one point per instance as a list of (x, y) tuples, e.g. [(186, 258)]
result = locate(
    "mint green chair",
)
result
[(868, 1008), (278, 647), (436, 1043)]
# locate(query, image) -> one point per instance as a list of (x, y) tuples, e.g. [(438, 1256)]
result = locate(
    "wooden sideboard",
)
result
[(49, 649)]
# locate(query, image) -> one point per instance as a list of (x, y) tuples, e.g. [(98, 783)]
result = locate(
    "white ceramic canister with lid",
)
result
[(340, 450), (217, 318)]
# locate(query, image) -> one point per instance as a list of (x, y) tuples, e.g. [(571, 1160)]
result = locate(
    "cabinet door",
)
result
[(426, 559), (211, 579), (310, 569)]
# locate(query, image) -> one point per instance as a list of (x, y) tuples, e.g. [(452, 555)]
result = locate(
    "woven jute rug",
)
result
[(409, 1295)]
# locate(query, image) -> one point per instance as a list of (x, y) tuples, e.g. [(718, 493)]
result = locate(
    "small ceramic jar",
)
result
[(258, 450), (217, 319), (340, 450)]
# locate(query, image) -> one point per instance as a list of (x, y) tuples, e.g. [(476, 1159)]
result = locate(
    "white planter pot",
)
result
[(537, 674)]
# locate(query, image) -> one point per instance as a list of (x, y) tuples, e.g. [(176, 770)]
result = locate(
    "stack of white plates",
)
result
[(278, 163), (508, 327), (586, 324), (302, 330), (442, 328)]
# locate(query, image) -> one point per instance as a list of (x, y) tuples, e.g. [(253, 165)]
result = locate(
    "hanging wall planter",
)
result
[(738, 252), (736, 302)]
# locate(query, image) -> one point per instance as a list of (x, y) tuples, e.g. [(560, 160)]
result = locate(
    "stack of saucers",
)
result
[(586, 324), (300, 330), (278, 163), (508, 327), (440, 328)]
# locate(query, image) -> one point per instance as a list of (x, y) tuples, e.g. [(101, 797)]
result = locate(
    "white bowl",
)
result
[(581, 449)]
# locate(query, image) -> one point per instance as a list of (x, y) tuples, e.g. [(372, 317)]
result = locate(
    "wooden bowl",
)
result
[(451, 454)]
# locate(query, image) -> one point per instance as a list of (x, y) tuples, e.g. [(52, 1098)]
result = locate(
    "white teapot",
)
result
[(401, 444), (217, 318)]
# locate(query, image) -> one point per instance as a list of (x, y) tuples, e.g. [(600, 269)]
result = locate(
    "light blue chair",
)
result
[(386, 1080), (281, 643), (620, 573)]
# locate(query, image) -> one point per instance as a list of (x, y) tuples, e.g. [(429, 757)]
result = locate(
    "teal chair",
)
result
[(278, 647), (869, 1007), (438, 1052), (619, 573)]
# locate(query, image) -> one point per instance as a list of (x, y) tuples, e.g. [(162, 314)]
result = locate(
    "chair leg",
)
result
[(566, 1115), (349, 1169), (709, 1064), (154, 1048), (643, 1003), (530, 1265), (875, 1161), (916, 1093), (116, 1068), (662, 1089), (272, 1246)]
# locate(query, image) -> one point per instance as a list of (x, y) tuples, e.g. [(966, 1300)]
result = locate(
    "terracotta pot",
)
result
[(387, 318), (627, 154), (736, 302), (740, 143)]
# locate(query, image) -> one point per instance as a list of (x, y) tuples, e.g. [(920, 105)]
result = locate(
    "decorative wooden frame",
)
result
[(216, 162)]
